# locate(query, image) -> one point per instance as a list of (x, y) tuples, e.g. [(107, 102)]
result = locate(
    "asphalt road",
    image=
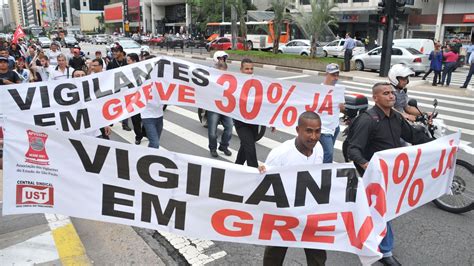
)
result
[(425, 236)]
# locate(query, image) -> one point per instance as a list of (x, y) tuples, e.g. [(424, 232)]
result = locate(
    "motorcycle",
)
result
[(462, 198)]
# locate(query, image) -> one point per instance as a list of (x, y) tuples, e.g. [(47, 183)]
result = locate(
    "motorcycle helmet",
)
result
[(399, 70), (218, 55)]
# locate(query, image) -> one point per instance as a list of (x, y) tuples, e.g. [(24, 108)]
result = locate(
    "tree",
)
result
[(279, 9), (317, 21), (205, 11)]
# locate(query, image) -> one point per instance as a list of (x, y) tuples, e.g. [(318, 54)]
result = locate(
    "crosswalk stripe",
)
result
[(443, 116), (432, 95), (293, 77)]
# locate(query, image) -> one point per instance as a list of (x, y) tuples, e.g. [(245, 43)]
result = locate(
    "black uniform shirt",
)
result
[(373, 134)]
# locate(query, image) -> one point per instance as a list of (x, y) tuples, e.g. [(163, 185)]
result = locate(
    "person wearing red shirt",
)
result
[(450, 62)]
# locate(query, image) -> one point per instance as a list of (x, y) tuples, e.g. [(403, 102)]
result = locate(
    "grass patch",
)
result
[(285, 56)]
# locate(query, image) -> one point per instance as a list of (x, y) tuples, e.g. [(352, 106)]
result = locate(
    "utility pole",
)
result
[(233, 26), (392, 9)]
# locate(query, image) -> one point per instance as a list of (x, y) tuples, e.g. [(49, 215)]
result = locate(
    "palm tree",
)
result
[(279, 9), (318, 20)]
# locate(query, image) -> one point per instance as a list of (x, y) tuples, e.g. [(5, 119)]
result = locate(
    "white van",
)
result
[(425, 46)]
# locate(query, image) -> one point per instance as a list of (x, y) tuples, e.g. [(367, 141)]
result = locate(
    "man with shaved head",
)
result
[(380, 128), (304, 149)]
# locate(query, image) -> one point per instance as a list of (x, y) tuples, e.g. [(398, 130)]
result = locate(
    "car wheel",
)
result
[(304, 54), (280, 51), (325, 54), (359, 65)]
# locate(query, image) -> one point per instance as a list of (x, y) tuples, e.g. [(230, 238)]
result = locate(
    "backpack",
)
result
[(349, 131)]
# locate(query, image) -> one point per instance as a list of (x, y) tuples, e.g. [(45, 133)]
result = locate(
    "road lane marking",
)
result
[(430, 94), (68, 244), (293, 77)]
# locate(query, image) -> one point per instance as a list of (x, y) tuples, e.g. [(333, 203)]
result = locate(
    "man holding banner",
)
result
[(304, 149), (378, 129)]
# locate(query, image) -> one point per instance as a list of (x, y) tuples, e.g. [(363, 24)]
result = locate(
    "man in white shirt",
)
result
[(53, 54), (62, 70), (45, 69), (304, 149), (330, 131)]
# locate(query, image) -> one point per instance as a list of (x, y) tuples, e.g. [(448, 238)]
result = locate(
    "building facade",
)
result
[(443, 20)]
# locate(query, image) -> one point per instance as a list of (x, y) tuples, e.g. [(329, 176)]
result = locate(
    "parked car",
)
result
[(410, 57), (172, 41), (145, 38), (80, 37), (130, 46), (225, 43), (300, 47), (44, 42), (425, 46), (70, 41), (335, 48), (156, 40), (195, 42), (99, 39)]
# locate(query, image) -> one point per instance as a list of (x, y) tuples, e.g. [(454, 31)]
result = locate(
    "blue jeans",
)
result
[(447, 72), (327, 141), (386, 245), (153, 128), (212, 122)]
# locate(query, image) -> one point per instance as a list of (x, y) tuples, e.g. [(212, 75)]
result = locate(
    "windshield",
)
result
[(43, 39), (129, 44), (413, 51)]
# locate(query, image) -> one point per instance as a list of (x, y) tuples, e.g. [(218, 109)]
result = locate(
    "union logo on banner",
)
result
[(36, 153), (41, 196)]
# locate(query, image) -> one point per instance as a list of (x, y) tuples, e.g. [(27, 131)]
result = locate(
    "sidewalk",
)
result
[(357, 76)]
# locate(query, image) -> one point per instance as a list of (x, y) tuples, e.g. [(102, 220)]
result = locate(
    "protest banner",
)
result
[(92, 102), (406, 178), (313, 206)]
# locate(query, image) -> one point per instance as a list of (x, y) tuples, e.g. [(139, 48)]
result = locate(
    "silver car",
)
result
[(299, 47), (100, 39), (130, 46), (410, 57), (44, 42)]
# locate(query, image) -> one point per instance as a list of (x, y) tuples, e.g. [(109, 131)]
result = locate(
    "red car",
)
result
[(225, 43), (156, 40)]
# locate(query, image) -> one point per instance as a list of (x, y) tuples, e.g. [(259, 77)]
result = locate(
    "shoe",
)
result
[(434, 84), (126, 128), (423, 78), (137, 142), (225, 150), (390, 261), (463, 87), (214, 153)]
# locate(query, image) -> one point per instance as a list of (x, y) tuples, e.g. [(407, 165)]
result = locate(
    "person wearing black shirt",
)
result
[(378, 129), (6, 75), (247, 132), (119, 60), (77, 61)]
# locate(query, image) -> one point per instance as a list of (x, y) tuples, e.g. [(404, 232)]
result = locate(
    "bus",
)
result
[(260, 34)]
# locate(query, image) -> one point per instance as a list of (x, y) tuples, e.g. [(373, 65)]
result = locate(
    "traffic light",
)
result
[(400, 7), (383, 20), (382, 8)]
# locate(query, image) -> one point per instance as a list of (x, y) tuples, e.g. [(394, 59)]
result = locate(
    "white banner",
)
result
[(400, 180), (320, 206), (91, 102)]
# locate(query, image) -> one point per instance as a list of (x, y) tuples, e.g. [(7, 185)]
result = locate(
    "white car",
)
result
[(335, 48), (130, 46), (299, 47), (410, 57), (99, 39), (44, 42)]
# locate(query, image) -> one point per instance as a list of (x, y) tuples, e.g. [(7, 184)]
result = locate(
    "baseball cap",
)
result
[(117, 47), (3, 59), (332, 68)]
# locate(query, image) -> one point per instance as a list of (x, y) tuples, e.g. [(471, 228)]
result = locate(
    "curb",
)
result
[(68, 244)]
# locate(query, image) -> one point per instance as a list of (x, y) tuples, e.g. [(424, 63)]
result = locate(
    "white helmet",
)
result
[(219, 54), (399, 70)]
